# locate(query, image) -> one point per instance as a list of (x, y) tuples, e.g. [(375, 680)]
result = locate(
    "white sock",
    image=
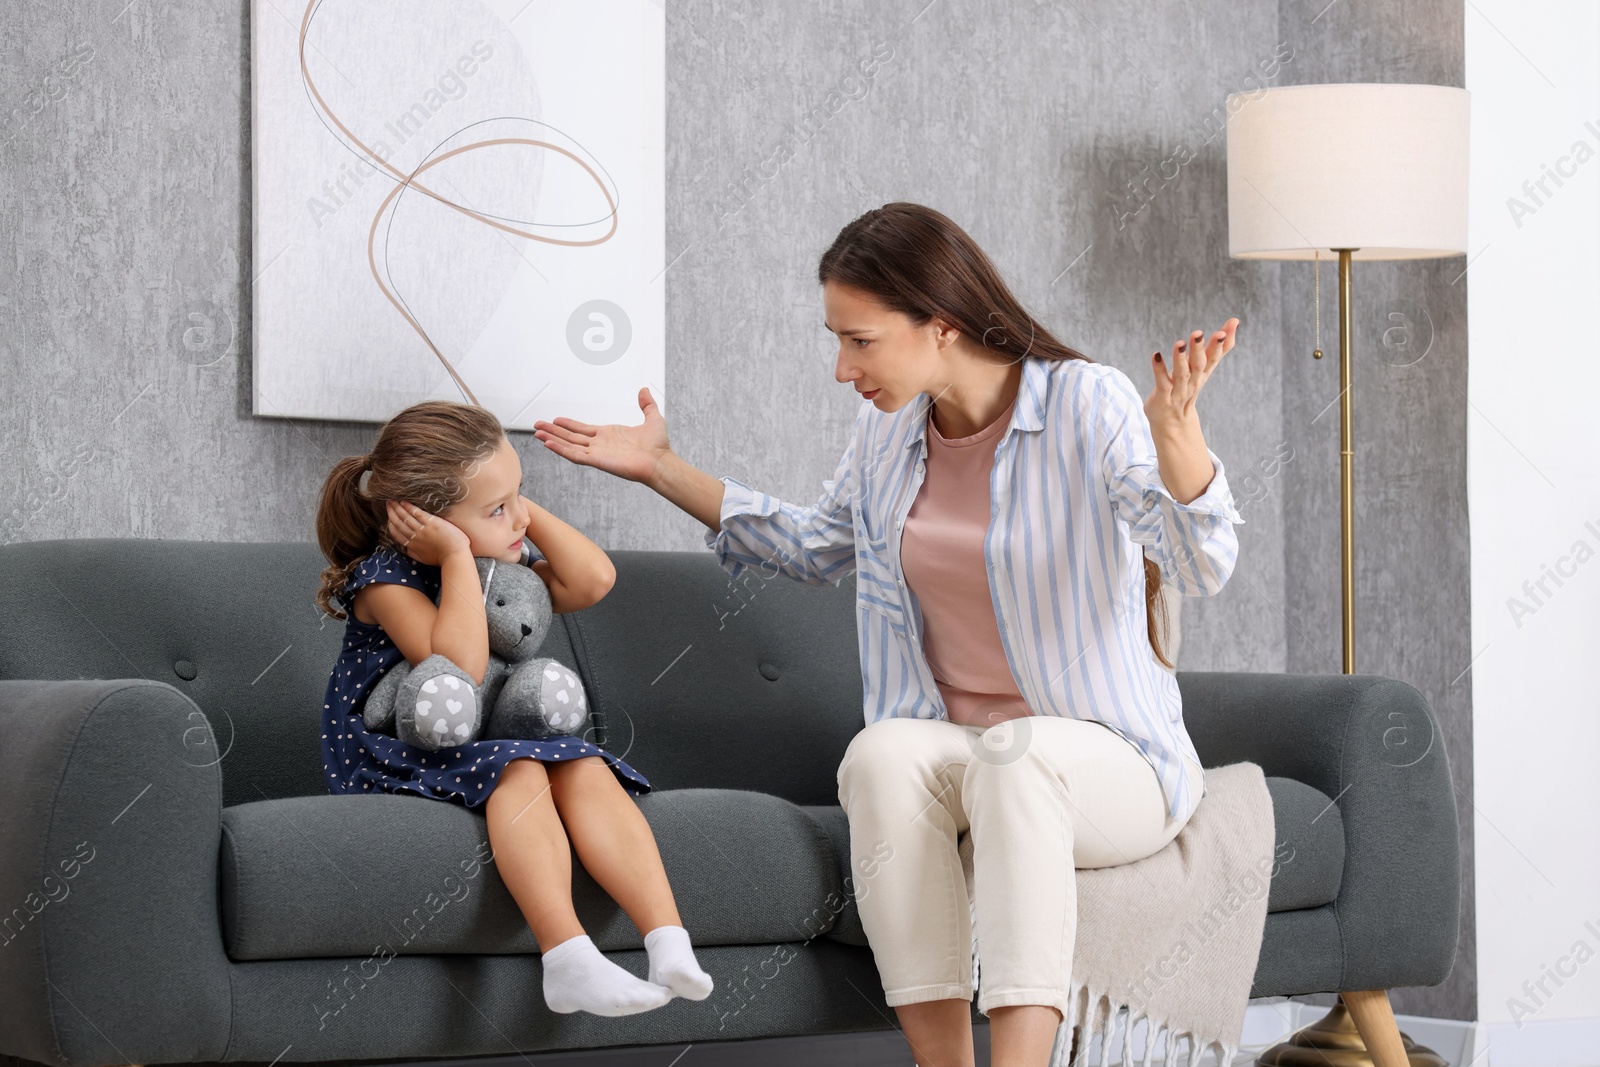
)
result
[(672, 963), (578, 977)]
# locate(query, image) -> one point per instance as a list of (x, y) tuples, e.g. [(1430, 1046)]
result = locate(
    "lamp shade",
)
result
[(1375, 167)]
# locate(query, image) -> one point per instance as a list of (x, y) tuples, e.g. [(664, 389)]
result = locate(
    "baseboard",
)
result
[(1269, 1020), (1541, 1043)]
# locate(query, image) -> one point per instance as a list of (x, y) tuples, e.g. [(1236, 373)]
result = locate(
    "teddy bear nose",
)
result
[(526, 629)]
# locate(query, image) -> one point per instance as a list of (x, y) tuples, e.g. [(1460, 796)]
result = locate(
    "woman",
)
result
[(1009, 509)]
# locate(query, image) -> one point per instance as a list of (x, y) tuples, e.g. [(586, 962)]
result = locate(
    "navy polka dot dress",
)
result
[(358, 761)]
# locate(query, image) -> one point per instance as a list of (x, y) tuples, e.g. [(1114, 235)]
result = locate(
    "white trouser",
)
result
[(1040, 796)]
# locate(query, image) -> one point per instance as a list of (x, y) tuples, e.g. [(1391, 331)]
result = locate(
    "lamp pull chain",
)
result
[(1316, 290)]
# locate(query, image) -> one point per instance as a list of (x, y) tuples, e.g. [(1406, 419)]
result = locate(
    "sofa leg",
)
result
[(1375, 1019)]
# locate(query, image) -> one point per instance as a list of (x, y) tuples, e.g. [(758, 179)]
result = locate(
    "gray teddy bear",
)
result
[(436, 705)]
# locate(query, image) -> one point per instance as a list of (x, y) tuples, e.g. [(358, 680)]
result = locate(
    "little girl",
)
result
[(405, 578)]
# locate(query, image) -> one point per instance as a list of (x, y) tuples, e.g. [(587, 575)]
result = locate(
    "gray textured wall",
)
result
[(1041, 127)]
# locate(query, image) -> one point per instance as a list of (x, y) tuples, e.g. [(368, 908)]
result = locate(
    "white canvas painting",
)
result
[(458, 200)]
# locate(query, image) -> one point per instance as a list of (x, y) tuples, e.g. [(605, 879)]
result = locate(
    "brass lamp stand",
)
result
[(1336, 1039), (1378, 169)]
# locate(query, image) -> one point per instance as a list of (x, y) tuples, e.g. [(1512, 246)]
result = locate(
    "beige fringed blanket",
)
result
[(1174, 937)]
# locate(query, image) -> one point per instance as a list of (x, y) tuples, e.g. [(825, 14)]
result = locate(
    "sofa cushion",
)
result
[(386, 874), (1309, 852), (1309, 846)]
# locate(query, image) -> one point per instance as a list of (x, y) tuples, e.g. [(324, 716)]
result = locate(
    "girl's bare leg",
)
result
[(531, 851), (534, 857), (613, 840)]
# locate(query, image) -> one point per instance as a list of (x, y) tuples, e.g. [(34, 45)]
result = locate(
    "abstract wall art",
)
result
[(458, 200)]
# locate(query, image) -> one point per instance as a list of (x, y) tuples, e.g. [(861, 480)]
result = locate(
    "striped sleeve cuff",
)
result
[(737, 499), (814, 544), (1216, 500)]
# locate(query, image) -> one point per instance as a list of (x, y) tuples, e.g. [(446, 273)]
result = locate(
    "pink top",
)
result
[(941, 552)]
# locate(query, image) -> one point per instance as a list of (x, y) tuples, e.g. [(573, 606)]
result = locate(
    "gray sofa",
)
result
[(178, 886)]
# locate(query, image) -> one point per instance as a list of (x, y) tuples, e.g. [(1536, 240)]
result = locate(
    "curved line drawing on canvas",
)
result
[(388, 272), (406, 181)]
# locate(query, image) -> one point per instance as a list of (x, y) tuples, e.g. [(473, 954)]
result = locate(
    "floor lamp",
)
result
[(1363, 171)]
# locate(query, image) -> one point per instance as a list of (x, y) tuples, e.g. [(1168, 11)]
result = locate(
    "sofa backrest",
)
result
[(704, 681), (234, 626)]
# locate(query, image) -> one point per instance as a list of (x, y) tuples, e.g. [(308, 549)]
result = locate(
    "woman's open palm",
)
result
[(630, 452), (1178, 383)]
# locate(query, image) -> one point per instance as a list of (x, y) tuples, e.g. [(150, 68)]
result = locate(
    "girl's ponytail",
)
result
[(347, 528)]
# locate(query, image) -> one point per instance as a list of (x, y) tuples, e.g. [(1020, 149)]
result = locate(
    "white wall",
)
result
[(1533, 446)]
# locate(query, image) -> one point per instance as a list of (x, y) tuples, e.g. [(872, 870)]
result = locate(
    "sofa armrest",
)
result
[(110, 822), (1373, 745)]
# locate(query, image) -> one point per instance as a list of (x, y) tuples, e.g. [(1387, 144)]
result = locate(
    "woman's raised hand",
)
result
[(631, 452), (425, 537), (1192, 362)]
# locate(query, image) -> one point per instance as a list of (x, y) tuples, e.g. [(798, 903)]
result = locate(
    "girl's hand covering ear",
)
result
[(423, 536)]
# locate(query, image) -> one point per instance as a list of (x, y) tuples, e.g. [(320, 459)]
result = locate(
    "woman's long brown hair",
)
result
[(918, 262), (425, 454)]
